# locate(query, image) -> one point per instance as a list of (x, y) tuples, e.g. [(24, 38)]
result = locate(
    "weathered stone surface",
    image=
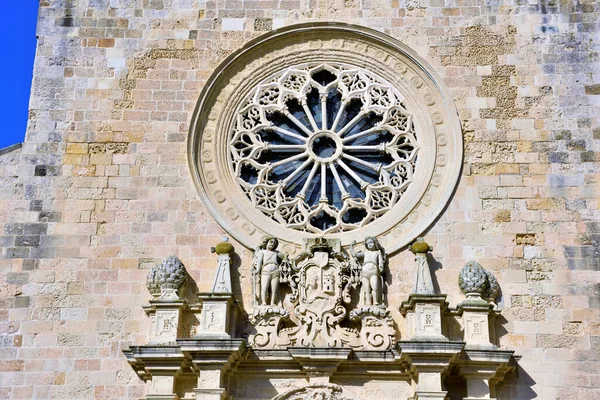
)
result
[(102, 180)]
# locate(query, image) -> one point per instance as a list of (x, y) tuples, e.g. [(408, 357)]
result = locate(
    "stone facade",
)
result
[(101, 191)]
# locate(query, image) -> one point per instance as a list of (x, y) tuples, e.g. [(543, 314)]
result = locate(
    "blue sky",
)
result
[(17, 24)]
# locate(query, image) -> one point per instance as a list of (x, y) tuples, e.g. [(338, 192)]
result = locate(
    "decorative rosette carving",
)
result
[(324, 148), (166, 279), (475, 282)]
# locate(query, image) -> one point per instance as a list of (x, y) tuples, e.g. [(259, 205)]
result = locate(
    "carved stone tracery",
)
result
[(324, 148), (315, 142)]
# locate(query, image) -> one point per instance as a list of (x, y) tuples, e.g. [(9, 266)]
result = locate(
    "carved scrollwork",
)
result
[(266, 324), (377, 327)]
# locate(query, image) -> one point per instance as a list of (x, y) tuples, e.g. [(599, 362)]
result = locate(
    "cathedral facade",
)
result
[(305, 199)]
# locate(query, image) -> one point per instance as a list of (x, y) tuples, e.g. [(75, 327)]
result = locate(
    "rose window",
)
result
[(324, 148)]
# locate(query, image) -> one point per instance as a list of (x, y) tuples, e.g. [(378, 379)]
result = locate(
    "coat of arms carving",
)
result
[(317, 311)]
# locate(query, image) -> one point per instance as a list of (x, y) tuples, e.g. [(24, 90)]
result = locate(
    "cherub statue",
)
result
[(371, 269), (266, 271)]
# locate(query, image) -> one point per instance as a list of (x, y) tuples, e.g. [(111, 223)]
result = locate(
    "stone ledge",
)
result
[(10, 148)]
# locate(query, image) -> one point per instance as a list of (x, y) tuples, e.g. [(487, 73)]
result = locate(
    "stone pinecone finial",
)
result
[(152, 281), (166, 279), (475, 282)]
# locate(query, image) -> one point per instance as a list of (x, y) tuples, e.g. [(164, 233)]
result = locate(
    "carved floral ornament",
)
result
[(325, 130)]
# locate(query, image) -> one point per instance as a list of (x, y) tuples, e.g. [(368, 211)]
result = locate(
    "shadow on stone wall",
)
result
[(517, 386)]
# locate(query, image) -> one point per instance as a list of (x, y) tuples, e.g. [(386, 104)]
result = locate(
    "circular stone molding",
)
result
[(325, 129)]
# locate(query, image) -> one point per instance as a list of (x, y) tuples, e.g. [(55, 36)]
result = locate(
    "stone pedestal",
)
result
[(218, 317), (166, 316), (423, 315), (477, 317)]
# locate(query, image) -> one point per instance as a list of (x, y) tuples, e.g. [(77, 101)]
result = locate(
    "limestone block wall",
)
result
[(101, 191)]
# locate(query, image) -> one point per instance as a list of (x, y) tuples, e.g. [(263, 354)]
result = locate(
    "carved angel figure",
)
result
[(266, 271), (371, 271)]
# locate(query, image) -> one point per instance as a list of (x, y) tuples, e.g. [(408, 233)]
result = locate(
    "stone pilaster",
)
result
[(429, 362), (213, 361), (160, 367), (483, 369), (478, 382)]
